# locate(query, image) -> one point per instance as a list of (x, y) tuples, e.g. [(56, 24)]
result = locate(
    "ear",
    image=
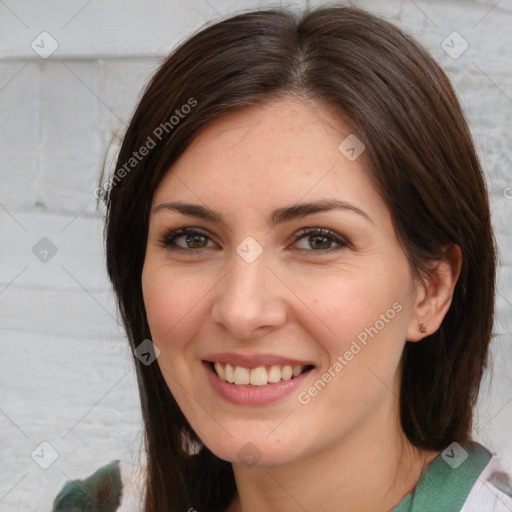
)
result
[(434, 296)]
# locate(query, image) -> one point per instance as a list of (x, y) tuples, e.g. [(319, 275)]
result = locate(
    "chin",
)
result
[(254, 453)]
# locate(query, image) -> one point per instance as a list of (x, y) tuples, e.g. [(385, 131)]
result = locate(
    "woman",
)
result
[(299, 238)]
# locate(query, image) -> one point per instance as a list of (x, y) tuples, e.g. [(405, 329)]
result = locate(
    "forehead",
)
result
[(268, 155), (290, 127)]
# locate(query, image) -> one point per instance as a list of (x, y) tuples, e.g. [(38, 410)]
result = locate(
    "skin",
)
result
[(297, 299)]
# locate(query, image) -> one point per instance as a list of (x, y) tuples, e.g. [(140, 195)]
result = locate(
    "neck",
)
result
[(369, 470)]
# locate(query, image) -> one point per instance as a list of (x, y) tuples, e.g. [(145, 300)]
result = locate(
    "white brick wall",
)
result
[(65, 371)]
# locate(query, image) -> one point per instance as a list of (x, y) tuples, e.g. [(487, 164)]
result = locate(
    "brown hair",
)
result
[(423, 162)]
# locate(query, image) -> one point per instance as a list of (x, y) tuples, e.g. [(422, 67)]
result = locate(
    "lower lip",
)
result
[(253, 395)]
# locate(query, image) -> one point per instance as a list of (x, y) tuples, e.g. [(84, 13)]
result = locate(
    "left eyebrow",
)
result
[(278, 216)]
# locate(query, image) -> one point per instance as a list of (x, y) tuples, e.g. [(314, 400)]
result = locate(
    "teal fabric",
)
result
[(441, 487), (101, 492)]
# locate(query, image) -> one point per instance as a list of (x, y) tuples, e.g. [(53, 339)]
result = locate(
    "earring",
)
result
[(423, 328)]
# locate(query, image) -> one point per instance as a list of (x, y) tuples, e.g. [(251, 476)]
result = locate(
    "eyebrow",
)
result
[(278, 216)]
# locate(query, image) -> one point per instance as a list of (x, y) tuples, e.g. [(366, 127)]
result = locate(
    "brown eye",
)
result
[(320, 239), (194, 239)]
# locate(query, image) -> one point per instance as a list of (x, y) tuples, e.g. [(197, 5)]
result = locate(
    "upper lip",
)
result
[(255, 360)]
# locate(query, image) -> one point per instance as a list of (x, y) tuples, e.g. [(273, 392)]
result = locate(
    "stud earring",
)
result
[(423, 328)]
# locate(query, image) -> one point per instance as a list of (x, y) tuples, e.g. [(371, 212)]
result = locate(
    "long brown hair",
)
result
[(423, 162)]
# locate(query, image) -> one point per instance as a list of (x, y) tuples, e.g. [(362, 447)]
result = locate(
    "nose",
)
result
[(248, 302)]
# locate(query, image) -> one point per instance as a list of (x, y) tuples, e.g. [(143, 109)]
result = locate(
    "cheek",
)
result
[(362, 332), (174, 302), (341, 309), (169, 306), (157, 302), (361, 326)]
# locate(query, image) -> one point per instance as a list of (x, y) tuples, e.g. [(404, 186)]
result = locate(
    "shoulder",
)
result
[(492, 491), (100, 491)]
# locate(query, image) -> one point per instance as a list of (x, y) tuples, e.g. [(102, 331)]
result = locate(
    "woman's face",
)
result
[(258, 292)]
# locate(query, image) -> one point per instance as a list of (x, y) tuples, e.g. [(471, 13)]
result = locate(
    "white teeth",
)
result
[(229, 373), (220, 371), (241, 375), (287, 372), (259, 376), (274, 375)]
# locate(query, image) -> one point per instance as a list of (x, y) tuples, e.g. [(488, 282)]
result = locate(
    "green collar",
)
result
[(447, 480)]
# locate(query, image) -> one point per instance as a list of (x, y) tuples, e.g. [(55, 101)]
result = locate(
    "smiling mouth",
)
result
[(259, 376)]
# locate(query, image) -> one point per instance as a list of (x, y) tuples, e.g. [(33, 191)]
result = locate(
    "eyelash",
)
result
[(167, 240)]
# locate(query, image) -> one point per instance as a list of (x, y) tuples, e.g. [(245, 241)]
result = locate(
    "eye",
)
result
[(321, 237), (196, 239), (192, 236)]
